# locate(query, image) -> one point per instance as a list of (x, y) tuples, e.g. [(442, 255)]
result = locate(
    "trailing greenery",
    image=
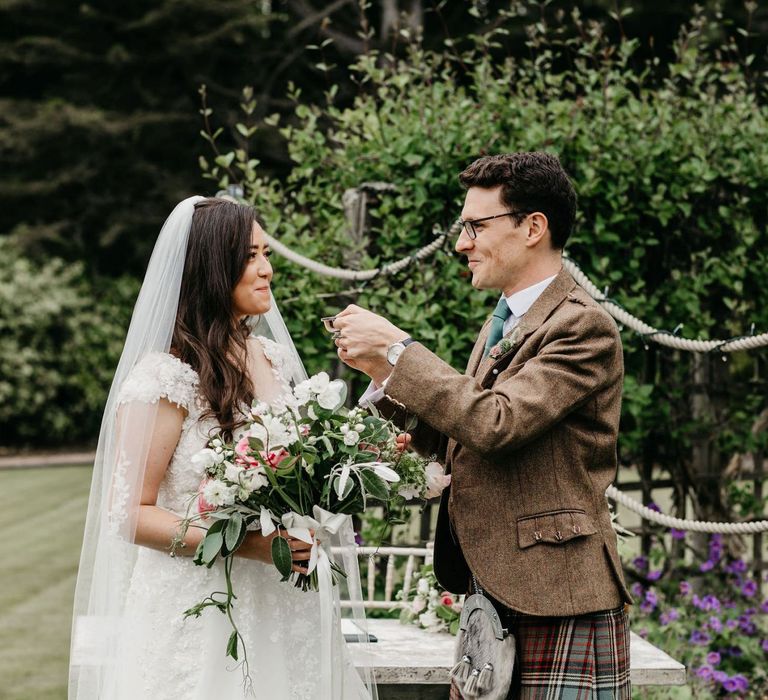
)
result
[(670, 162), (60, 340)]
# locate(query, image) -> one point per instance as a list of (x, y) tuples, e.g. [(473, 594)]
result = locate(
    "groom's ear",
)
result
[(538, 228)]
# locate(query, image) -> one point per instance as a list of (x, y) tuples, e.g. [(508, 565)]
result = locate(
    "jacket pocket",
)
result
[(554, 527)]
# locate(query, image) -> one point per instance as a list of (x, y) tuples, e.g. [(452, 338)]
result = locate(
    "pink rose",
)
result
[(436, 480), (243, 457), (274, 458), (202, 505)]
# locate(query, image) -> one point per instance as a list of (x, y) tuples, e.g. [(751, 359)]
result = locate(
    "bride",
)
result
[(188, 367)]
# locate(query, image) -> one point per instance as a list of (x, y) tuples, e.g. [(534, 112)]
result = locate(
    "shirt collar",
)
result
[(521, 301)]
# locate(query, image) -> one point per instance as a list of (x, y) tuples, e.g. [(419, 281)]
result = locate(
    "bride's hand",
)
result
[(257, 546)]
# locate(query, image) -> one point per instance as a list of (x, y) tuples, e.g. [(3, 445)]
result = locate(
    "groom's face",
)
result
[(498, 253)]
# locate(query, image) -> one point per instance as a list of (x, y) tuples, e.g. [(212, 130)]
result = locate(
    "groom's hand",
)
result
[(363, 340)]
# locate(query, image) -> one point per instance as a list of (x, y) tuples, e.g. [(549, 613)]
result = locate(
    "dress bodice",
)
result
[(164, 376)]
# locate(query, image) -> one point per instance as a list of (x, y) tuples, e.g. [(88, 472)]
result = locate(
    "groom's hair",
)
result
[(533, 181)]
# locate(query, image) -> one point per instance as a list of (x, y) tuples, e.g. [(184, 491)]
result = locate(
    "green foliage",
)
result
[(60, 339), (669, 162)]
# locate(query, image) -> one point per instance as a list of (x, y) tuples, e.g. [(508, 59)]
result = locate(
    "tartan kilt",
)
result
[(569, 658)]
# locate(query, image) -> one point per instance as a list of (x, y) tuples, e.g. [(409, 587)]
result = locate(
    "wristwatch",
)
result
[(396, 349)]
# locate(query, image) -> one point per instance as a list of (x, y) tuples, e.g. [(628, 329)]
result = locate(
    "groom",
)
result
[(528, 432)]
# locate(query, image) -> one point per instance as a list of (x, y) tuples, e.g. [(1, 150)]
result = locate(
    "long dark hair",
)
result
[(208, 335)]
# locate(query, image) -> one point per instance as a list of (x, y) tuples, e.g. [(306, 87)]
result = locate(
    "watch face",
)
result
[(394, 352)]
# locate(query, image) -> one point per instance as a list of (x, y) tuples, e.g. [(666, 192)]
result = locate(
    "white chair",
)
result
[(414, 556)]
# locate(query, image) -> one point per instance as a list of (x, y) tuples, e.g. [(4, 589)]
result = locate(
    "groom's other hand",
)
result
[(363, 340)]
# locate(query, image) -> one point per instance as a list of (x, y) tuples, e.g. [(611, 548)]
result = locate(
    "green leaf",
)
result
[(232, 646), (211, 546), (281, 556), (234, 533), (225, 160), (374, 484)]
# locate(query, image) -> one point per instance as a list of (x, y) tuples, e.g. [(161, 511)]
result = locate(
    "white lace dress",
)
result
[(167, 657)]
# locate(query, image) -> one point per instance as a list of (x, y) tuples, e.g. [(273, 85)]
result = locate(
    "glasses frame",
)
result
[(469, 224)]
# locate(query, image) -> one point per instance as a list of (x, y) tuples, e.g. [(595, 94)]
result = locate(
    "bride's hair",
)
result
[(208, 335)]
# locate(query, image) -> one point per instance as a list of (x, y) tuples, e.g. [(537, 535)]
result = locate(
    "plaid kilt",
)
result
[(569, 658)]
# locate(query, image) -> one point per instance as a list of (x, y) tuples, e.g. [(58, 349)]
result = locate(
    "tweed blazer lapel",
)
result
[(540, 310), (477, 351)]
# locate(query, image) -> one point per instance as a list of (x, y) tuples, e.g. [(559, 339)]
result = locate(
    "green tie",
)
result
[(500, 314)]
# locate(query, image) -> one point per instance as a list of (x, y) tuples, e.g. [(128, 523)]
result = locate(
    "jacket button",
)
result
[(495, 371)]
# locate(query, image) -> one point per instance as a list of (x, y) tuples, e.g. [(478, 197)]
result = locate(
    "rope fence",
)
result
[(666, 338), (682, 523)]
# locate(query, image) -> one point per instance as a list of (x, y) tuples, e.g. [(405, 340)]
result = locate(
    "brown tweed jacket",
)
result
[(530, 441)]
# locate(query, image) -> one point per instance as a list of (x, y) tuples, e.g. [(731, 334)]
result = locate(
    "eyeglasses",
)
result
[(469, 226)]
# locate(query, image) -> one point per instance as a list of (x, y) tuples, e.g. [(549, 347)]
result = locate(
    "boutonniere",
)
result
[(504, 345)]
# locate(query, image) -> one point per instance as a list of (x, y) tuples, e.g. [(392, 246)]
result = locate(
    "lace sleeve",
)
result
[(278, 357), (161, 376)]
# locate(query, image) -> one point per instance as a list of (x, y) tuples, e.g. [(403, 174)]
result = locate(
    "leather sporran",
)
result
[(485, 651)]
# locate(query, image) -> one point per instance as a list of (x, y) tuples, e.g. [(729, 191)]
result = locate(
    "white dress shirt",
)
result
[(518, 303)]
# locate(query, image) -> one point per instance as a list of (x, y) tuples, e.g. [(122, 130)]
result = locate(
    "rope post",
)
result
[(757, 539)]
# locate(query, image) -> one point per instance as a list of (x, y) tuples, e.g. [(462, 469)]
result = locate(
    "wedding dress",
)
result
[(162, 655)]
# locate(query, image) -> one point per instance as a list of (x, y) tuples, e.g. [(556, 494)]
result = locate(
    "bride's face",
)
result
[(251, 294)]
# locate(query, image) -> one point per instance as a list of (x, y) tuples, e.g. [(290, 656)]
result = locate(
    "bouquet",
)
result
[(429, 607), (304, 463)]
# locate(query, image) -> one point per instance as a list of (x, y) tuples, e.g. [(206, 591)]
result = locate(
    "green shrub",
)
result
[(60, 339), (670, 162)]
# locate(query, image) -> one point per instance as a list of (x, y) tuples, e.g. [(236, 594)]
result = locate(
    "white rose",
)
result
[(430, 621), (418, 605), (423, 586), (204, 458), (302, 392), (360, 427), (351, 438), (217, 493), (330, 397), (319, 382)]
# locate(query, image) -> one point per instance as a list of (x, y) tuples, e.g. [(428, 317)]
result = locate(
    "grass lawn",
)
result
[(42, 527)]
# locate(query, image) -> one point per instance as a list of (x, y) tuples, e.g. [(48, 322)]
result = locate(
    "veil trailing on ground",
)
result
[(109, 553)]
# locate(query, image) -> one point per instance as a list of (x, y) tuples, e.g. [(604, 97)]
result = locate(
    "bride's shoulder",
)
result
[(160, 375), (274, 352)]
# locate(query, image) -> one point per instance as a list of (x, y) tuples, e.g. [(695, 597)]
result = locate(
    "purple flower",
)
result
[(734, 651), (764, 607), (720, 676), (654, 575), (640, 563), (700, 638), (732, 624), (359, 539), (643, 633), (764, 645), (713, 658), (749, 588), (737, 566), (685, 588), (710, 602), (707, 566), (653, 506), (704, 671), (677, 534), (742, 684), (649, 602), (730, 685), (637, 589), (715, 625), (669, 616)]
